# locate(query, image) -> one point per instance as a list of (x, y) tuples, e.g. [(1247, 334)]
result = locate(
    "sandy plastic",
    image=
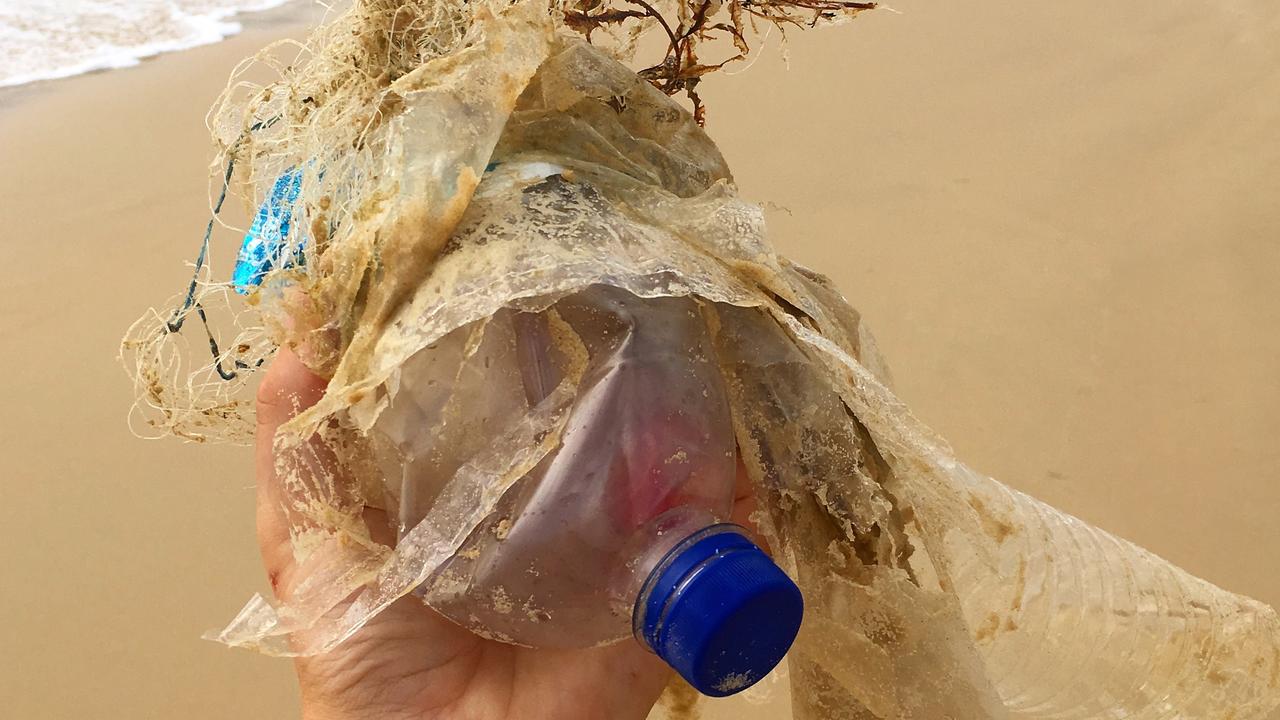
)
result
[(931, 590), (646, 459)]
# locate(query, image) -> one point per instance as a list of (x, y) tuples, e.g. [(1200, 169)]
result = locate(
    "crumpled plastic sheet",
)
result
[(532, 166)]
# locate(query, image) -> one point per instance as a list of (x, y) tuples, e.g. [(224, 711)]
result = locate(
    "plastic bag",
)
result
[(931, 591)]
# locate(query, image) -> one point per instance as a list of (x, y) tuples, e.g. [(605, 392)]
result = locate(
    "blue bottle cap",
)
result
[(719, 611)]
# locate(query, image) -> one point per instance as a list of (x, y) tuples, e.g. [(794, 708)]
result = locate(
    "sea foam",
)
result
[(49, 39)]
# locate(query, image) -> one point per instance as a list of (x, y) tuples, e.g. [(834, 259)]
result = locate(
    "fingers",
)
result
[(287, 388)]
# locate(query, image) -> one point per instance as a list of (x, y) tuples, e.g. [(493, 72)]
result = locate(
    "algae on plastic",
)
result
[(521, 165)]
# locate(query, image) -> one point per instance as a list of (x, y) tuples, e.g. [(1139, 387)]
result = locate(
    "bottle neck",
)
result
[(686, 527)]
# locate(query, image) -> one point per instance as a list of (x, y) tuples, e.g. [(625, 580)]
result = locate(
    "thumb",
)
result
[(287, 389)]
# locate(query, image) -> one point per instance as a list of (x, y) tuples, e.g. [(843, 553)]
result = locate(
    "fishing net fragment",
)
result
[(458, 160)]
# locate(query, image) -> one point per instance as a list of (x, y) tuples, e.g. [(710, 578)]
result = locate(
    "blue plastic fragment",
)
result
[(265, 246)]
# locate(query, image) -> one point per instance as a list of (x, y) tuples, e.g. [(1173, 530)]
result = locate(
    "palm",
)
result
[(409, 662)]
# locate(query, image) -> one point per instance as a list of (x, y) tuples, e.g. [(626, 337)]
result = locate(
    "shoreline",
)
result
[(286, 14)]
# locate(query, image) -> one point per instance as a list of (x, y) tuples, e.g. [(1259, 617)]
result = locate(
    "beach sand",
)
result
[(1061, 221)]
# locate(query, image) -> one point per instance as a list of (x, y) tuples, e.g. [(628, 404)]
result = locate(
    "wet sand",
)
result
[(1061, 222)]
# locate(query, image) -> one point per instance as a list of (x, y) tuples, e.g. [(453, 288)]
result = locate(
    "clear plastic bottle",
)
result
[(1076, 624), (622, 529)]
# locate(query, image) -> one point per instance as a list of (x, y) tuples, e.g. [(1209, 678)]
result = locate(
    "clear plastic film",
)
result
[(647, 457), (518, 167)]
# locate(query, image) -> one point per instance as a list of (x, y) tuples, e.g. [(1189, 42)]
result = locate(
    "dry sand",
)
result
[(1061, 219)]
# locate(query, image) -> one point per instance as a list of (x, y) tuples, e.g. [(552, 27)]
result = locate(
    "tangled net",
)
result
[(930, 590), (324, 118)]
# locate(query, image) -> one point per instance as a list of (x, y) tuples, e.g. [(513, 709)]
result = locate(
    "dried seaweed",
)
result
[(696, 23)]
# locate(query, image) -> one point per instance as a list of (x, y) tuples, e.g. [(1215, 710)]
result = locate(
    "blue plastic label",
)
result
[(266, 245)]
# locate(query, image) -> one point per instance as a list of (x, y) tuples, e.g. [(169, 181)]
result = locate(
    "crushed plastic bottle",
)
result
[(1107, 631), (452, 310), (623, 529)]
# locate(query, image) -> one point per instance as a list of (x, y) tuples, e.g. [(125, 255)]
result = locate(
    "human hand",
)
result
[(410, 662)]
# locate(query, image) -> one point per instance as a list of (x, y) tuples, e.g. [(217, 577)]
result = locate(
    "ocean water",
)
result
[(47, 39)]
